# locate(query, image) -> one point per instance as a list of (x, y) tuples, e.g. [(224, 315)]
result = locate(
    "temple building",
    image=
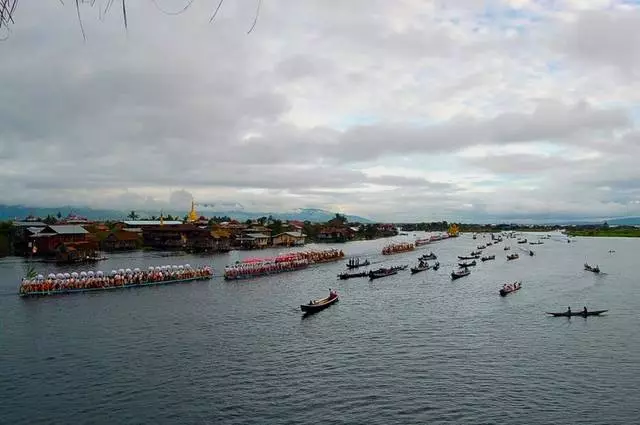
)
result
[(193, 215)]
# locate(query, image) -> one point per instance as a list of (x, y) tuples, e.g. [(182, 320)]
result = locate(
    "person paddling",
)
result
[(584, 311), (569, 311)]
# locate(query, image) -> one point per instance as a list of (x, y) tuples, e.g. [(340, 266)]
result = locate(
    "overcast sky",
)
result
[(393, 110)]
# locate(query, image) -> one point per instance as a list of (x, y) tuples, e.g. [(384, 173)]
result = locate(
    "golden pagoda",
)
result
[(453, 230), (193, 215)]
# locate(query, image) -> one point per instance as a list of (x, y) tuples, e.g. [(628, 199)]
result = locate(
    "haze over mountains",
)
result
[(12, 212)]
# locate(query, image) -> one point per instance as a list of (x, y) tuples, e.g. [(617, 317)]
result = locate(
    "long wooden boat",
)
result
[(111, 288), (377, 274), (512, 287), (578, 313), (465, 265), (460, 273), (345, 276), (321, 304), (488, 258)]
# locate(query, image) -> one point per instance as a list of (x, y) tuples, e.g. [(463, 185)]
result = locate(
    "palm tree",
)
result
[(132, 215)]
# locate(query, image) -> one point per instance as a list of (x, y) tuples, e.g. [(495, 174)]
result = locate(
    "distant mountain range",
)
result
[(12, 212)]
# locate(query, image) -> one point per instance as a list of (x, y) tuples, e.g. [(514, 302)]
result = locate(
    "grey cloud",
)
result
[(179, 103), (608, 38)]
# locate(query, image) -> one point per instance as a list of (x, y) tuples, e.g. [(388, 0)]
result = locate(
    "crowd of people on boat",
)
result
[(397, 248), (64, 282), (255, 267)]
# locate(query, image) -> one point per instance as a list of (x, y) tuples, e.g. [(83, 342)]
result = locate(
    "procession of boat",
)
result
[(258, 267), (398, 248), (89, 281), (36, 285)]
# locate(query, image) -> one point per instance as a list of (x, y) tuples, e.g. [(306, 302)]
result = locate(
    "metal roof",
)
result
[(256, 236), (35, 230), (292, 234), (137, 223), (69, 229), (29, 224)]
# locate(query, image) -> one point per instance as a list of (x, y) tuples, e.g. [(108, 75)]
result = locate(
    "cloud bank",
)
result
[(403, 110)]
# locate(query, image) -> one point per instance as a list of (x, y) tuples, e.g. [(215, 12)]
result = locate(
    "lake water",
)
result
[(400, 350)]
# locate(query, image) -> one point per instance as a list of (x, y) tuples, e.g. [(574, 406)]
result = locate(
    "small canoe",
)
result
[(345, 276), (357, 263), (488, 258), (436, 266), (466, 257), (382, 273), (430, 256), (465, 265), (578, 313), (419, 269), (318, 305), (460, 273), (512, 257)]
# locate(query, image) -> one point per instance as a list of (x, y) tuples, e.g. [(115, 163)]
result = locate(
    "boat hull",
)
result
[(578, 313), (320, 305), (111, 288)]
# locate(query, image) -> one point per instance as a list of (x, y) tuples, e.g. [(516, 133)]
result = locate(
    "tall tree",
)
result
[(133, 215)]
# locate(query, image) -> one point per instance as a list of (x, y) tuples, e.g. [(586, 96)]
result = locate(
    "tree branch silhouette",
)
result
[(8, 8)]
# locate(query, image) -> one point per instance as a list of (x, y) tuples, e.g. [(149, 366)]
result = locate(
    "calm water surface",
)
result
[(401, 350)]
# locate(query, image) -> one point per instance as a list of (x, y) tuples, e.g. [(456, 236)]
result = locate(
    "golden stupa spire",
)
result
[(193, 215), (161, 219)]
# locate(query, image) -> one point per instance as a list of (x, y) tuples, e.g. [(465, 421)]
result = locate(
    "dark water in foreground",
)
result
[(405, 349)]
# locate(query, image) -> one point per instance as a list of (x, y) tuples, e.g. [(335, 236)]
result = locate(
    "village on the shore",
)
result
[(75, 239)]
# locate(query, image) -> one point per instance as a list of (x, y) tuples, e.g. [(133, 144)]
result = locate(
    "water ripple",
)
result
[(404, 349)]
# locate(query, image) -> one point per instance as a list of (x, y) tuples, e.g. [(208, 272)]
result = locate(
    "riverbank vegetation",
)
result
[(615, 232)]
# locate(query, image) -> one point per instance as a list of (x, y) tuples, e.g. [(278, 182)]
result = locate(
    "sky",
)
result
[(399, 110)]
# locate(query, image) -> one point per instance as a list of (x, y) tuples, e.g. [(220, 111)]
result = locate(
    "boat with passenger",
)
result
[(460, 273), (354, 263), (316, 305), (346, 275), (426, 257), (467, 264), (386, 271), (593, 269), (89, 281), (508, 288), (513, 256), (421, 267), (488, 258), (584, 313)]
